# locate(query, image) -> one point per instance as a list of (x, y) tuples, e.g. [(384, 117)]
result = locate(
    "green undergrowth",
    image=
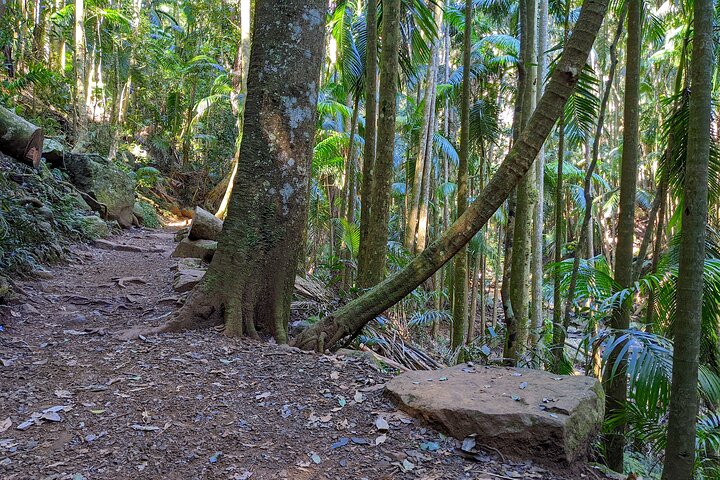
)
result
[(41, 213)]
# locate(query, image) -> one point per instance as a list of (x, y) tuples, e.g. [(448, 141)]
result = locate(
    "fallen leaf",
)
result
[(340, 443), (63, 393), (144, 428), (430, 446), (382, 424), (407, 465), (523, 385), (380, 439), (97, 412), (334, 375), (325, 418), (51, 416), (6, 362), (262, 395), (359, 397), (315, 458), (359, 441), (5, 424), (468, 444), (215, 456)]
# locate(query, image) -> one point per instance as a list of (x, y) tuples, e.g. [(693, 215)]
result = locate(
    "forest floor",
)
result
[(77, 403)]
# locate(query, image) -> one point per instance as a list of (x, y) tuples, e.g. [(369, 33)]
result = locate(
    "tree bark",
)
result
[(427, 130), (460, 270), (368, 168), (616, 385), (680, 451), (349, 319), (536, 315), (249, 283), (81, 120), (19, 138), (517, 332), (377, 233)]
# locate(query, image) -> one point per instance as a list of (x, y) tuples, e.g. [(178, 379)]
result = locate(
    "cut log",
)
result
[(205, 226), (19, 138)]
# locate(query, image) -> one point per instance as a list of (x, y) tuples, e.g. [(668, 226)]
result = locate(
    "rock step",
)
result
[(520, 412)]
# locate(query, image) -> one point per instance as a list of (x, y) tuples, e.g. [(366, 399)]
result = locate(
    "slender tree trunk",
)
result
[(680, 451), (237, 99), (536, 316), (81, 120), (559, 332), (460, 304), (585, 233), (427, 131), (517, 334), (249, 283), (368, 168), (616, 385), (349, 319), (377, 234)]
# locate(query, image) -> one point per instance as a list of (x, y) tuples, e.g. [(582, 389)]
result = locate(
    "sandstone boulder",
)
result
[(204, 249), (523, 413)]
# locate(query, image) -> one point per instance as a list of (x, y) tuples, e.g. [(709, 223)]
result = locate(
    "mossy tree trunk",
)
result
[(249, 283), (370, 144), (382, 170), (460, 270), (352, 317), (517, 332)]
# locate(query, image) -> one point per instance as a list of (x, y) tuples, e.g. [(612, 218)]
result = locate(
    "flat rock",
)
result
[(522, 413), (204, 249), (186, 279), (108, 245)]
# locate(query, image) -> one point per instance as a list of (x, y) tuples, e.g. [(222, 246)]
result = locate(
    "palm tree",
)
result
[(680, 452)]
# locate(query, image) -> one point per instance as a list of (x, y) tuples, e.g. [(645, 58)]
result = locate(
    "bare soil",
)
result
[(78, 403)]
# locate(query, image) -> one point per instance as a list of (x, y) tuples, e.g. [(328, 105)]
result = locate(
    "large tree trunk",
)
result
[(19, 138), (680, 452), (368, 167), (249, 283), (352, 317), (616, 385), (377, 233)]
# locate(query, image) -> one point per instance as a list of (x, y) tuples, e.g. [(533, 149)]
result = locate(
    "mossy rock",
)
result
[(102, 180), (93, 226), (147, 215)]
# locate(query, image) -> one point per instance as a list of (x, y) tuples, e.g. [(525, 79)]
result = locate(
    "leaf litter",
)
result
[(194, 404)]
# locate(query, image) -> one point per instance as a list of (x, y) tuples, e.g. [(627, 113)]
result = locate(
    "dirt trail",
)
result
[(195, 405)]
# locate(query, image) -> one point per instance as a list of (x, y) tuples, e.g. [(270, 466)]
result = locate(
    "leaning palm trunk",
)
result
[(352, 317), (680, 452)]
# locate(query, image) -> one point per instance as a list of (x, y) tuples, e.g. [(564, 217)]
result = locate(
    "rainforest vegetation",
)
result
[(531, 183)]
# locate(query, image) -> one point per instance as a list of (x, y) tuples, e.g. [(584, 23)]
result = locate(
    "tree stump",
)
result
[(19, 138)]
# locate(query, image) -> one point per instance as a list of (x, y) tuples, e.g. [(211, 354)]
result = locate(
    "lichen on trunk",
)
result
[(249, 283)]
